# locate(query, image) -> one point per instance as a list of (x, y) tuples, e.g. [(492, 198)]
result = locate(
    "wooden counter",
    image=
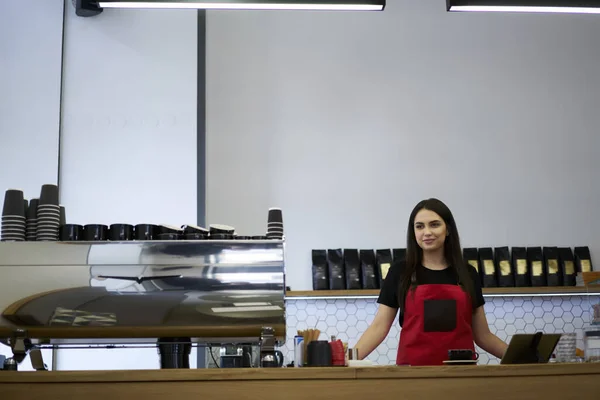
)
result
[(548, 382)]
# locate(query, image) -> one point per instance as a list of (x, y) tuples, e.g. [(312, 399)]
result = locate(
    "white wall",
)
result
[(128, 148), (30, 61), (347, 120), (129, 129)]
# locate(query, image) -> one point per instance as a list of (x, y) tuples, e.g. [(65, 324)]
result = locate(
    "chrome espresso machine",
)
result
[(168, 294)]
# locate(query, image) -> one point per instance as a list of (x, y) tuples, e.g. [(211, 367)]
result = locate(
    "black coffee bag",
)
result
[(471, 257), (368, 268), (486, 261), (520, 267), (352, 267), (384, 262), (320, 270), (504, 270), (552, 266), (583, 259), (337, 276), (567, 266), (398, 255), (537, 272)]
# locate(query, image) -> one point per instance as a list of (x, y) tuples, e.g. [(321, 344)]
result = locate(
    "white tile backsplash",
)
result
[(349, 318)]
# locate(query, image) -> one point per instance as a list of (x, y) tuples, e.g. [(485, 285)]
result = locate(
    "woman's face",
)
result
[(430, 230)]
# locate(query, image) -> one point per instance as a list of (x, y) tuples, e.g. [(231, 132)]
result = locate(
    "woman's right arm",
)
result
[(378, 330)]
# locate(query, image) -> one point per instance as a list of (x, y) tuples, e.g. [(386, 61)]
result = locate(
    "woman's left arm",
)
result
[(484, 338)]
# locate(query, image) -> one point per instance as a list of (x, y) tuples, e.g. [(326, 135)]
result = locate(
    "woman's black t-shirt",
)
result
[(389, 292)]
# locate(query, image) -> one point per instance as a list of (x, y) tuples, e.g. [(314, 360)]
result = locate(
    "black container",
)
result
[(383, 258), (318, 354), (504, 271), (583, 259), (169, 236), (537, 271), (488, 268), (32, 209), (174, 352), (121, 232), (195, 236), (71, 233), (63, 215), (145, 232), (14, 204), (520, 267), (567, 266), (232, 361), (168, 229), (95, 232), (552, 266), (49, 195), (337, 273), (352, 269), (368, 269), (320, 271), (221, 236)]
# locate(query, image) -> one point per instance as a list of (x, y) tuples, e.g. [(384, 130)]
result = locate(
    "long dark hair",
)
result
[(452, 251)]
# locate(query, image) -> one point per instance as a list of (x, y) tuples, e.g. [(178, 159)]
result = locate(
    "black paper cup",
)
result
[(194, 229), (195, 236), (95, 232), (145, 232), (32, 210), (220, 236), (120, 232), (275, 215), (49, 195), (169, 236), (71, 233), (168, 229), (13, 203), (221, 229)]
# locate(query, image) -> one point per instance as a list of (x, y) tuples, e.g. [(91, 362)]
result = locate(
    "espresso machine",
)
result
[(174, 295)]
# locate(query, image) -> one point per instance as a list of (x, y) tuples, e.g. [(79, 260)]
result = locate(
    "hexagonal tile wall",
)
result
[(349, 318)]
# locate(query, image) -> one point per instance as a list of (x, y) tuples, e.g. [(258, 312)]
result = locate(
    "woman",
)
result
[(439, 296)]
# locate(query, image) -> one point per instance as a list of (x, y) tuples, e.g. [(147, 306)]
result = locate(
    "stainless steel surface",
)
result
[(211, 291)]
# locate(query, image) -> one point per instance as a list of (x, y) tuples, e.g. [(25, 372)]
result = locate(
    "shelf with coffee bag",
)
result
[(525, 267), (504, 271), (352, 269)]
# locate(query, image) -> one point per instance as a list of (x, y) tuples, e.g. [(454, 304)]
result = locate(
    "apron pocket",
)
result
[(439, 315)]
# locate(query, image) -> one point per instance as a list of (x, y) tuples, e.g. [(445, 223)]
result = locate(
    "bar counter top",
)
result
[(542, 381)]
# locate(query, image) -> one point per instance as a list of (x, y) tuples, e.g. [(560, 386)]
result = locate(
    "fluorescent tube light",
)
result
[(330, 5), (526, 6)]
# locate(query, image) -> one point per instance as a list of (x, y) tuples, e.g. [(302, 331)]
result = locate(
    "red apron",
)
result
[(437, 318)]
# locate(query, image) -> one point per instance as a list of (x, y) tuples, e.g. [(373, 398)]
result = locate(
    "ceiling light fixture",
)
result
[(89, 7), (526, 6)]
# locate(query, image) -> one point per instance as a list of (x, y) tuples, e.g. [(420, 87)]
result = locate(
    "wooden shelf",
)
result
[(487, 292)]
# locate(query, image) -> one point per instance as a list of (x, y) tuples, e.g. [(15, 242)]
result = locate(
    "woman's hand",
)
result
[(484, 338), (378, 330)]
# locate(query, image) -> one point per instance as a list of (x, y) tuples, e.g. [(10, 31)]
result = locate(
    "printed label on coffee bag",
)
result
[(488, 267), (521, 267), (537, 269), (474, 264), (552, 267), (505, 268)]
